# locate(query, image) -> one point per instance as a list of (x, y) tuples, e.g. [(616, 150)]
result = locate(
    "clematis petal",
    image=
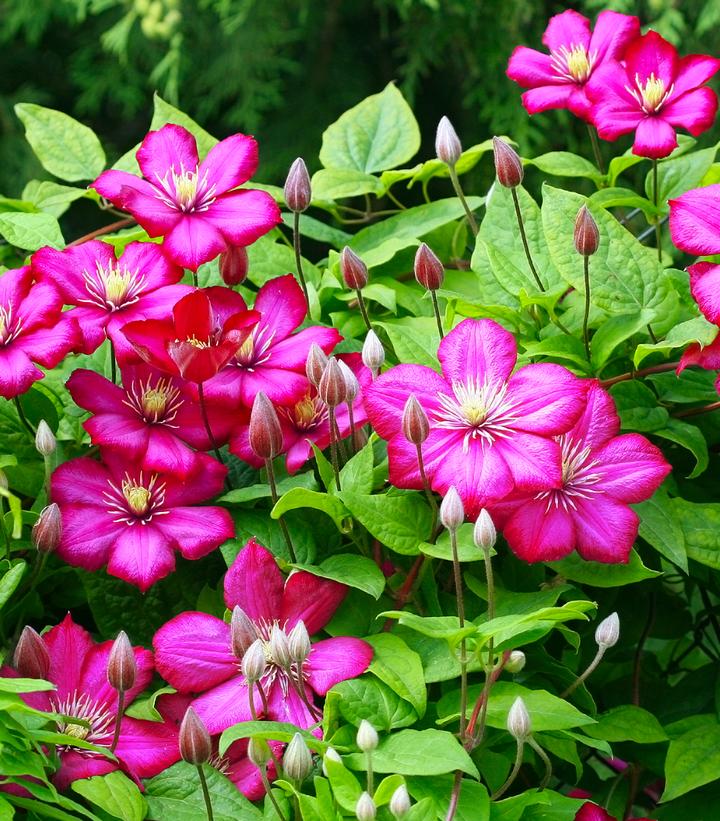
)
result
[(532, 69), (705, 288), (289, 707), (605, 530), (291, 352), (155, 268), (195, 531), (567, 29), (533, 461), (230, 163), (695, 111), (652, 54), (67, 643), (599, 421), (141, 556), (87, 535), (707, 357), (146, 748), (695, 220), (654, 138), (254, 582), (547, 399), (193, 317), (612, 34), (694, 70), (94, 678), (17, 372), (193, 241), (75, 765), (243, 216), (544, 98), (282, 305), (96, 394), (141, 199), (632, 468), (478, 349), (335, 660), (311, 599), (227, 704), (80, 480), (541, 530), (170, 148)]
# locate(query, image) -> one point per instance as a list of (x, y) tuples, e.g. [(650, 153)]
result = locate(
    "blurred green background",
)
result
[(284, 70)]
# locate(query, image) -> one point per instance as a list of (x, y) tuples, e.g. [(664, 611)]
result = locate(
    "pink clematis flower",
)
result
[(193, 650), (272, 359), (78, 669), (306, 422), (33, 329), (653, 93), (558, 79), (707, 357), (602, 473), (490, 431), (196, 206), (109, 291), (591, 812), (134, 520)]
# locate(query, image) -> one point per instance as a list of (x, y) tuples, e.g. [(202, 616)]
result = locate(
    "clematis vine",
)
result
[(490, 430), (78, 669), (134, 520), (558, 79), (194, 650), (602, 473)]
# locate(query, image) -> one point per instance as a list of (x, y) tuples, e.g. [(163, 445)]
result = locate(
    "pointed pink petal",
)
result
[(546, 398), (540, 530), (478, 349), (67, 644), (246, 777), (205, 481), (166, 453), (87, 535), (337, 659), (605, 529), (193, 240), (243, 216), (147, 747), (197, 531), (612, 34), (282, 305), (530, 69), (193, 316), (15, 284), (171, 147), (95, 393), (141, 556), (291, 353), (534, 462), (695, 220), (652, 54), (141, 199), (694, 111), (254, 582), (40, 308), (632, 468), (120, 432), (567, 29), (227, 704), (310, 599), (289, 707), (150, 338), (48, 346), (230, 163), (707, 357), (544, 98), (654, 138), (17, 372), (155, 268), (599, 421), (80, 480), (591, 812), (694, 70), (705, 288), (75, 765)]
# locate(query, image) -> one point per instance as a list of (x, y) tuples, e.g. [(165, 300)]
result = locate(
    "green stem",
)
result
[(6, 535), (591, 667), (274, 494), (546, 761), (523, 236), (269, 793), (205, 792), (194, 276), (463, 645), (459, 192), (370, 785), (23, 419), (353, 431), (454, 796), (334, 447), (596, 148), (363, 309), (118, 720), (426, 485), (298, 257), (113, 362), (436, 311), (586, 275), (658, 224), (513, 773)]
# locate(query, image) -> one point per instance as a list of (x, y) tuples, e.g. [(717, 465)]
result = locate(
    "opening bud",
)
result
[(297, 761), (586, 236), (299, 643), (365, 809), (447, 143), (353, 269), (254, 662), (45, 441), (315, 364), (508, 165), (332, 389), (266, 439), (400, 802), (242, 632), (415, 424), (515, 662), (452, 512), (331, 754), (367, 737), (518, 721), (122, 666), (258, 751), (47, 531), (279, 647), (373, 353), (297, 187), (352, 386), (31, 658), (608, 631), (234, 265), (429, 271), (484, 533), (194, 739)]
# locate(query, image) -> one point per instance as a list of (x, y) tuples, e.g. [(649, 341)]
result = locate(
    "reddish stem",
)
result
[(106, 229), (624, 377), (403, 593), (491, 679), (697, 411)]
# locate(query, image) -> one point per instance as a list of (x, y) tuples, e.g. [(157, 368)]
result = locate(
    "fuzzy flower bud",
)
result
[(452, 512), (266, 439), (47, 531), (31, 658), (508, 166), (332, 389), (258, 751), (122, 666), (484, 533), (415, 424), (352, 386), (315, 364), (254, 662), (365, 809), (242, 632), (333, 755), (373, 353), (299, 643), (353, 269), (45, 441), (400, 802), (297, 761), (447, 143), (367, 737), (586, 236), (194, 739), (515, 662), (279, 647), (429, 271), (518, 721), (297, 187), (608, 631), (234, 264)]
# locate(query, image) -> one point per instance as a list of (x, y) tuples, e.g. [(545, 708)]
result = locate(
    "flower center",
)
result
[(138, 497), (306, 414), (651, 94), (246, 351), (135, 500), (185, 190), (579, 480), (97, 717), (113, 287), (255, 350), (6, 325), (482, 410), (574, 63), (154, 404)]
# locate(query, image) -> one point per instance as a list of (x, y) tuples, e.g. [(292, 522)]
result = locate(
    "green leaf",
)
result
[(565, 164), (271, 730), (523, 628), (262, 491), (692, 760), (613, 332), (24, 685), (623, 198), (336, 183), (400, 668), (562, 347), (379, 133), (466, 547), (66, 148), (164, 113), (619, 164), (689, 437), (51, 197), (660, 528), (346, 788), (599, 574), (10, 580), (414, 339), (114, 793), (700, 524), (676, 175), (638, 407), (370, 699), (399, 520), (474, 803), (347, 568), (31, 231), (268, 258), (680, 336), (628, 723), (357, 473), (300, 497), (437, 627)]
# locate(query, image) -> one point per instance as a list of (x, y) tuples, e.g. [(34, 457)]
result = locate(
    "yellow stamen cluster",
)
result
[(137, 496)]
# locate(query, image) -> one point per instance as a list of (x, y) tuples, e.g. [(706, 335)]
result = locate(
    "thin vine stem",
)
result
[(472, 222), (298, 258), (523, 236)]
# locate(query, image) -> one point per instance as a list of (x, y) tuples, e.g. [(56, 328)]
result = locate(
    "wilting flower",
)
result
[(109, 291), (652, 93), (557, 79), (490, 431), (206, 329), (196, 206), (602, 473), (194, 650), (134, 520), (272, 358), (32, 329), (78, 668)]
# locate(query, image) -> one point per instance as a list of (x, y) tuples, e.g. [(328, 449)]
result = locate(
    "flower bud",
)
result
[(365, 809), (447, 143), (484, 533), (515, 662), (332, 389), (373, 353), (194, 739), (234, 264), (45, 441), (279, 647), (429, 271), (297, 761), (608, 631), (415, 424), (333, 755), (297, 187), (315, 364), (518, 721), (266, 439), (452, 512), (31, 658), (299, 643), (242, 632), (352, 386), (586, 236), (400, 802), (367, 737), (122, 666), (258, 751), (254, 662), (353, 269), (508, 166), (47, 531)]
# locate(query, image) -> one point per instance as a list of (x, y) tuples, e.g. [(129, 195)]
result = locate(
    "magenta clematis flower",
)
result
[(707, 357), (557, 79), (134, 520), (591, 812), (272, 359), (109, 291), (602, 473), (490, 431), (652, 93), (307, 422), (193, 650), (33, 329), (196, 206), (78, 669)]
